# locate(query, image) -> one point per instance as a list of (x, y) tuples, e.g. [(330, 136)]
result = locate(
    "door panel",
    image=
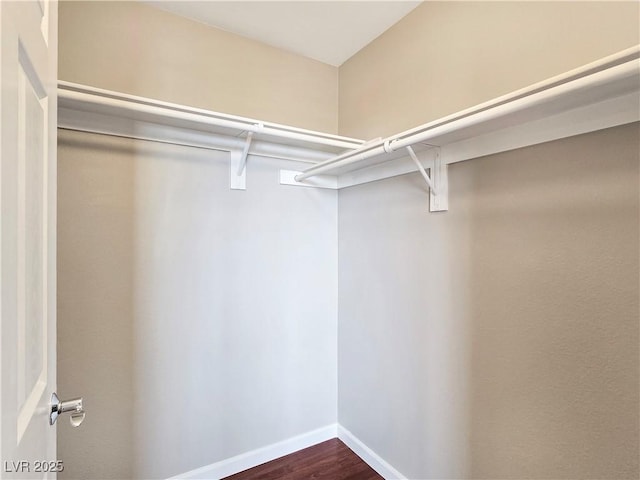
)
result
[(32, 247), (28, 47)]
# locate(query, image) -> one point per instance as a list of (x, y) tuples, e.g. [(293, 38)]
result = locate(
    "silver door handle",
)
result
[(73, 406)]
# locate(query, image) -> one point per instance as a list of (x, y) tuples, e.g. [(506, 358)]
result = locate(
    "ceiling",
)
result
[(328, 31)]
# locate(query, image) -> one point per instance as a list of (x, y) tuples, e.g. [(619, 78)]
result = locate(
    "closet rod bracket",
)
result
[(237, 175), (421, 169), (439, 195), (238, 162), (245, 153), (437, 180)]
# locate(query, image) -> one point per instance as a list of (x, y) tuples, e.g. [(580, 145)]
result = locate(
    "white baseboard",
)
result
[(368, 456), (251, 459)]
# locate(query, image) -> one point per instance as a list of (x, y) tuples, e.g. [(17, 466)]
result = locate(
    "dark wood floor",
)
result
[(330, 460)]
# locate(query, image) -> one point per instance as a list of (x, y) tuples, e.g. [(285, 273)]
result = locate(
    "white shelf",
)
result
[(96, 110), (599, 95)]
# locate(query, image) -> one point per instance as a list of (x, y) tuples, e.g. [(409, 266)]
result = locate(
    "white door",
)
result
[(28, 71)]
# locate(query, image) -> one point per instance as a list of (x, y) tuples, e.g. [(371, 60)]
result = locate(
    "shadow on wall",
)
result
[(554, 309), (95, 303)]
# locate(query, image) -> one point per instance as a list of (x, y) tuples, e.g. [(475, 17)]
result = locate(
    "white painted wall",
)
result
[(209, 313)]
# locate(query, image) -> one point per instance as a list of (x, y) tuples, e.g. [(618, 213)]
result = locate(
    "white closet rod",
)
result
[(69, 92), (617, 66)]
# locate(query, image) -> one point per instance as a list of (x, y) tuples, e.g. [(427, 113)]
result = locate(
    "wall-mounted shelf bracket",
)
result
[(421, 169), (237, 181), (439, 195), (245, 153), (238, 163), (437, 181)]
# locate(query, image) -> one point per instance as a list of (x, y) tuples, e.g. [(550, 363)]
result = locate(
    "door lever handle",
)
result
[(73, 406)]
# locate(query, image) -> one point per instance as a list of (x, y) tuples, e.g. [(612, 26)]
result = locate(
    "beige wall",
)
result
[(499, 339), (445, 56), (138, 49)]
